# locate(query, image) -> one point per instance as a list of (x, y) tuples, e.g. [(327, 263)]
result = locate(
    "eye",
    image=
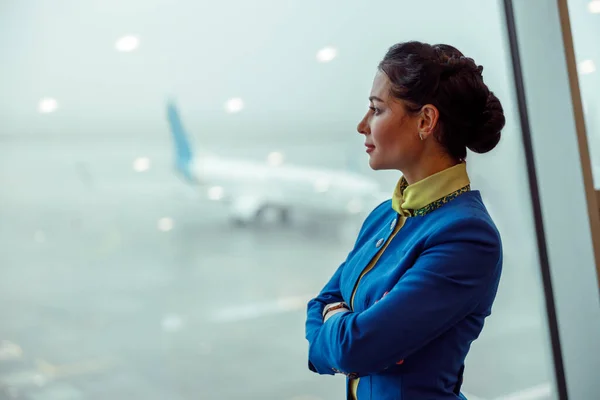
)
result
[(375, 110)]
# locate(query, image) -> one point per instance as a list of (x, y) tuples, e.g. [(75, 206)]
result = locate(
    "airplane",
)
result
[(254, 189)]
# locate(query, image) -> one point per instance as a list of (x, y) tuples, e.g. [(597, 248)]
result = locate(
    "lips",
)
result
[(369, 147)]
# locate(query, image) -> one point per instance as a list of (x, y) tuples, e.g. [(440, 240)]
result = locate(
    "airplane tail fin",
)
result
[(183, 150)]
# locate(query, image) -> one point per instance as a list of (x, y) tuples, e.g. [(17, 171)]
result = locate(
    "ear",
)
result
[(428, 120)]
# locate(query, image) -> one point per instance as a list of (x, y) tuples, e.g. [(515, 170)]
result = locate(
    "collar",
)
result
[(430, 193)]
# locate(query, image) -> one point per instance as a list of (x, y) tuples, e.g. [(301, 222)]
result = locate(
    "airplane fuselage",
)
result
[(251, 187)]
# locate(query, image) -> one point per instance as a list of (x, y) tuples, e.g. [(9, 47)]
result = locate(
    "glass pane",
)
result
[(121, 278), (585, 26)]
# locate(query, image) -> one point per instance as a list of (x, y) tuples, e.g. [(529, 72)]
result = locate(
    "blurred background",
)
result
[(178, 178)]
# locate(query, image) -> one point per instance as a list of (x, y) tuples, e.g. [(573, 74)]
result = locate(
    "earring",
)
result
[(421, 135)]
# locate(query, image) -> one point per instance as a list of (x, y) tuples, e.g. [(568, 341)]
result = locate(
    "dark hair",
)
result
[(470, 114)]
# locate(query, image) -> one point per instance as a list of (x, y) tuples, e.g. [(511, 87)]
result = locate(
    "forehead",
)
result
[(381, 86)]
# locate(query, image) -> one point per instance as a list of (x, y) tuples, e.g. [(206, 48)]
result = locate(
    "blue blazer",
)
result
[(442, 272)]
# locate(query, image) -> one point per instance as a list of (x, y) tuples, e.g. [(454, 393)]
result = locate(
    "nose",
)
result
[(363, 126)]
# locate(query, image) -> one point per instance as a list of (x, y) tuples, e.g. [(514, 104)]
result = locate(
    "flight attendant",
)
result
[(400, 313)]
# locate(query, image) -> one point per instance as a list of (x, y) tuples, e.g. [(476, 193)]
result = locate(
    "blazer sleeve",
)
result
[(445, 284), (329, 294), (314, 315)]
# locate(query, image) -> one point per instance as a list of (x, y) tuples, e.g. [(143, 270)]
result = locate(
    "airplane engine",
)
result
[(250, 209)]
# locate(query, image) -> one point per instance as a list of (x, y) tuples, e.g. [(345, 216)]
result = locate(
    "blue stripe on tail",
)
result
[(183, 150)]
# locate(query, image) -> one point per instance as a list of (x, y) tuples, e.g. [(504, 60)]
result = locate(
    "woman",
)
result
[(399, 315)]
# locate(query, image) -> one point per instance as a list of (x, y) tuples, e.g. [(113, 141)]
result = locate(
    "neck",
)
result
[(421, 172)]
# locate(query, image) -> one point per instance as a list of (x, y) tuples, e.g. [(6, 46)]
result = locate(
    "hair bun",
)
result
[(487, 135), (457, 63), (470, 116)]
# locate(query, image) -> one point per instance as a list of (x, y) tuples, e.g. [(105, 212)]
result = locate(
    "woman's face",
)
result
[(391, 132)]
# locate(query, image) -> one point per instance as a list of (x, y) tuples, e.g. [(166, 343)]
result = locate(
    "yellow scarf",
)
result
[(430, 193)]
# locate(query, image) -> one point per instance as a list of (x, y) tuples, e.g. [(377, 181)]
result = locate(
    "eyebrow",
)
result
[(376, 99)]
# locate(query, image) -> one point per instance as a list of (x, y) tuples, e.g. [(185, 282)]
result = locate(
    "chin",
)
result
[(380, 164), (374, 164)]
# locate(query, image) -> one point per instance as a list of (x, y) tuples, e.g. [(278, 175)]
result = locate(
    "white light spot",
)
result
[(594, 6), (127, 43), (322, 185), (326, 54), (141, 164), (587, 67), (47, 105), (354, 206), (10, 350), (172, 323), (39, 237), (234, 105), (275, 159), (165, 224), (215, 193)]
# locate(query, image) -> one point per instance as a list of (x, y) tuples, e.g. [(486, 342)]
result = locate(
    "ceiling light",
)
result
[(165, 224), (587, 67), (594, 6), (326, 54), (47, 105), (141, 164), (127, 44), (234, 105)]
